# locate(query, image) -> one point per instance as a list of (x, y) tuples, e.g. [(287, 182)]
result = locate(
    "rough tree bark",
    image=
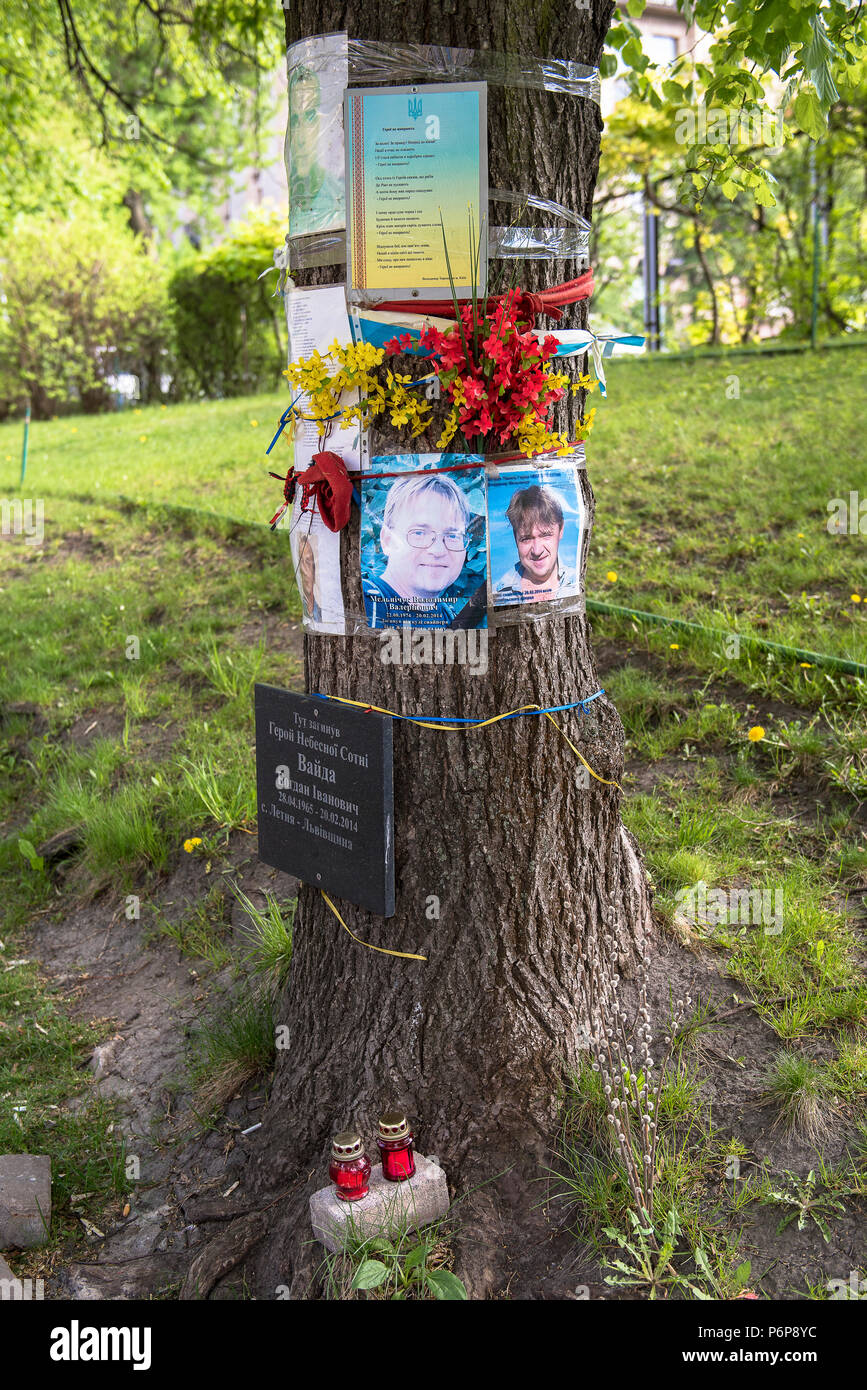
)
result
[(531, 870)]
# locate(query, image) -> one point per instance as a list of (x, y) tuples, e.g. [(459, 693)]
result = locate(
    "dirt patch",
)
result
[(279, 635), (83, 544), (96, 724), (111, 968)]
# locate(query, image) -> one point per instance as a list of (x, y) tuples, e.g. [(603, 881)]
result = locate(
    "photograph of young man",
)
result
[(536, 517)]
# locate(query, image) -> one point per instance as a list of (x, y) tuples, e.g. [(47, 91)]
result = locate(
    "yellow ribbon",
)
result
[(405, 955), (483, 724), (450, 729)]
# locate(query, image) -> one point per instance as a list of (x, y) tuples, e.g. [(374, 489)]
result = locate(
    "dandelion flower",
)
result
[(756, 734), (674, 646), (611, 576), (142, 439), (807, 665), (190, 845), (254, 424), (801, 536)]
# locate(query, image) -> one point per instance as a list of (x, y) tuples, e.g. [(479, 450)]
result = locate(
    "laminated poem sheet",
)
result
[(315, 317), (416, 182)]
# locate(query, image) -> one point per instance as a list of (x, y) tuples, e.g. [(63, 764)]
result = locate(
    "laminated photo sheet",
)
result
[(536, 522), (318, 70), (423, 542), (314, 318)]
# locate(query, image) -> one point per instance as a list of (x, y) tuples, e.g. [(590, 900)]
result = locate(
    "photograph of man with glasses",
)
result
[(428, 530)]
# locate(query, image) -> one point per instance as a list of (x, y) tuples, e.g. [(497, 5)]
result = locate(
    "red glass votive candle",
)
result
[(394, 1142), (350, 1167)]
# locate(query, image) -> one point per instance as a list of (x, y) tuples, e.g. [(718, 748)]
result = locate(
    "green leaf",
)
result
[(370, 1275), (415, 1257), (764, 197), (35, 861), (742, 1275), (635, 8), (817, 56), (699, 1293), (673, 91), (633, 56), (446, 1286), (381, 1246), (809, 116)]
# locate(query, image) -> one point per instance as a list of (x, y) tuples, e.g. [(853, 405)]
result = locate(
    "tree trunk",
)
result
[(528, 870)]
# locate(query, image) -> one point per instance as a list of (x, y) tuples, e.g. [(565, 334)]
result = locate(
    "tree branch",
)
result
[(80, 63)]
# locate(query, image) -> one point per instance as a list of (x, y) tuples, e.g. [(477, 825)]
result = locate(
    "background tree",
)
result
[(763, 57), (742, 265), (173, 97), (531, 871)]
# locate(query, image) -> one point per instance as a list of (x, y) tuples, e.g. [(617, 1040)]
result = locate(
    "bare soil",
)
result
[(109, 967)]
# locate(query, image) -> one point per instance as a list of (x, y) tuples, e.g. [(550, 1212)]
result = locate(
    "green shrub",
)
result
[(82, 299), (228, 326)]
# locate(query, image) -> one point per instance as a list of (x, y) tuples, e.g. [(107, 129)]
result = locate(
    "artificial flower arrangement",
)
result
[(493, 370)]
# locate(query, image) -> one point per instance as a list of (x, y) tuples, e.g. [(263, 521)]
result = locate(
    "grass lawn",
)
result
[(133, 635)]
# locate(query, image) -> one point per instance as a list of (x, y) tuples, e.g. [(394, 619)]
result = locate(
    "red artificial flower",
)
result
[(401, 343), (507, 382)]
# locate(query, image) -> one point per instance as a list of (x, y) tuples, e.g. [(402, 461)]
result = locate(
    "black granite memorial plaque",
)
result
[(326, 805)]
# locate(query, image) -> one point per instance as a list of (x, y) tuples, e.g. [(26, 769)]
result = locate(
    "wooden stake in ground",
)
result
[(509, 869)]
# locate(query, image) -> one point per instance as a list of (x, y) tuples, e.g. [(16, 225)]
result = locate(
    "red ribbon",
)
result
[(325, 482), (528, 304)]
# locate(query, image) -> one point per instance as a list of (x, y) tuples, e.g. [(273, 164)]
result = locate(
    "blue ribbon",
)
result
[(517, 714), (284, 421)]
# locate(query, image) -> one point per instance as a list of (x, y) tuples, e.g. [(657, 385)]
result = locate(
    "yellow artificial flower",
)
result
[(450, 425)]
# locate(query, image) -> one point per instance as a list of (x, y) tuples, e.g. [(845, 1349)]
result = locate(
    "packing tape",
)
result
[(319, 70), (512, 242), (375, 62)]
